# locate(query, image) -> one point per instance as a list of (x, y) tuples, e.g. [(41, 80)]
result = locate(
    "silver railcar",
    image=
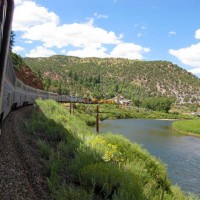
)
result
[(13, 92)]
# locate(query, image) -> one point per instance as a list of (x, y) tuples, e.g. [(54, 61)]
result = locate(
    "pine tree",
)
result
[(12, 40)]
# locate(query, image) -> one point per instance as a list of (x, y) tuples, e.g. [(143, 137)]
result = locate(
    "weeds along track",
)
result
[(22, 174)]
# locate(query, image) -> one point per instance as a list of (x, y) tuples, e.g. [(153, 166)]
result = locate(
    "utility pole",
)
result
[(70, 107), (73, 107), (97, 119)]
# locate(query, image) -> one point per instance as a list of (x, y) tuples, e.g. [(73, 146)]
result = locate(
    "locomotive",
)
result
[(13, 92)]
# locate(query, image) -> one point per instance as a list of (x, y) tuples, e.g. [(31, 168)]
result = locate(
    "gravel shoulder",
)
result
[(22, 171)]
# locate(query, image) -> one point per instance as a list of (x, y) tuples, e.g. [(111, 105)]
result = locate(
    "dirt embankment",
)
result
[(22, 171), (29, 77)]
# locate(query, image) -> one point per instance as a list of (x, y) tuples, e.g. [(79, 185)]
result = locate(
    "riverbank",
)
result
[(187, 127), (182, 123), (84, 165), (179, 152), (107, 111)]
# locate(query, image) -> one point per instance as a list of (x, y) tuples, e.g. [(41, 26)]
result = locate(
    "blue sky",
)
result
[(135, 29)]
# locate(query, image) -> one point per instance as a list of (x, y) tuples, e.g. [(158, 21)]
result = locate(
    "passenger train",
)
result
[(13, 92)]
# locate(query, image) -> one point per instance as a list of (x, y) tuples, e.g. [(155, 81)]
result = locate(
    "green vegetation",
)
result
[(104, 78), (12, 40), (87, 112), (84, 165), (156, 103), (17, 61), (188, 126)]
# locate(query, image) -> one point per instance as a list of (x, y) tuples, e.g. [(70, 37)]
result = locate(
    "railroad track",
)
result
[(22, 172)]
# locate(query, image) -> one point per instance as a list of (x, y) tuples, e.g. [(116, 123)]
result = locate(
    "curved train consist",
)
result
[(13, 92)]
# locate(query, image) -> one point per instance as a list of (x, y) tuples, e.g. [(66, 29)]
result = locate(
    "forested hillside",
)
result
[(108, 77)]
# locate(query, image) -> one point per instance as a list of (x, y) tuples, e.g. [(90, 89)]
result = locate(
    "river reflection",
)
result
[(180, 153)]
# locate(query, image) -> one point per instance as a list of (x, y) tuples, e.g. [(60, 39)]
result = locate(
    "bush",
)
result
[(45, 149), (71, 192), (111, 182), (158, 103)]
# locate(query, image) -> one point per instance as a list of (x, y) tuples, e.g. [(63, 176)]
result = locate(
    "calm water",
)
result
[(180, 153)]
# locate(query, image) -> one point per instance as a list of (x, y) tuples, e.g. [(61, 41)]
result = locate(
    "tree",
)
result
[(59, 90), (116, 88), (48, 83), (75, 76), (39, 73), (17, 61), (158, 103), (70, 73), (98, 80), (12, 40)]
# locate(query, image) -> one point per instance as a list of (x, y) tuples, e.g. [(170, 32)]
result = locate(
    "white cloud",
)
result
[(139, 35), (189, 55), (28, 41), (129, 50), (195, 71), (141, 27), (28, 14), (18, 49), (37, 24), (40, 51), (17, 2), (100, 16), (63, 51), (171, 33), (89, 52), (197, 34), (78, 35)]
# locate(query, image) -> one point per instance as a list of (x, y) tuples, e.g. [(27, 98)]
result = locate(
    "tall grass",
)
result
[(114, 111), (187, 126), (85, 165)]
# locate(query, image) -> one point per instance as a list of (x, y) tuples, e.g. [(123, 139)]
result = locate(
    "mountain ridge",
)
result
[(107, 77)]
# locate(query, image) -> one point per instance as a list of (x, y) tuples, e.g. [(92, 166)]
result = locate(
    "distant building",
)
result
[(125, 102), (120, 99)]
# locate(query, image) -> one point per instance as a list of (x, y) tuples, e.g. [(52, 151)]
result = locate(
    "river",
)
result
[(180, 153)]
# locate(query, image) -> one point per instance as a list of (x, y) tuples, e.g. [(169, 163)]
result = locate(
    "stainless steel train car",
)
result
[(13, 92)]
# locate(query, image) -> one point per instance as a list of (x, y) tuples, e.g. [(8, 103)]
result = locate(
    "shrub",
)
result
[(45, 149), (111, 182), (71, 192)]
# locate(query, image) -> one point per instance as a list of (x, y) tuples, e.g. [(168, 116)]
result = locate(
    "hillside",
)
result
[(107, 77), (25, 74)]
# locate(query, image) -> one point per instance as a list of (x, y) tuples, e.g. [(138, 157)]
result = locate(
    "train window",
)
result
[(4, 13), (8, 99), (3, 17), (10, 71), (1, 22)]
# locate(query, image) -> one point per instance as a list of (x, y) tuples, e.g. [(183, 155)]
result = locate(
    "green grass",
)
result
[(45, 149), (85, 165), (188, 126), (117, 112)]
